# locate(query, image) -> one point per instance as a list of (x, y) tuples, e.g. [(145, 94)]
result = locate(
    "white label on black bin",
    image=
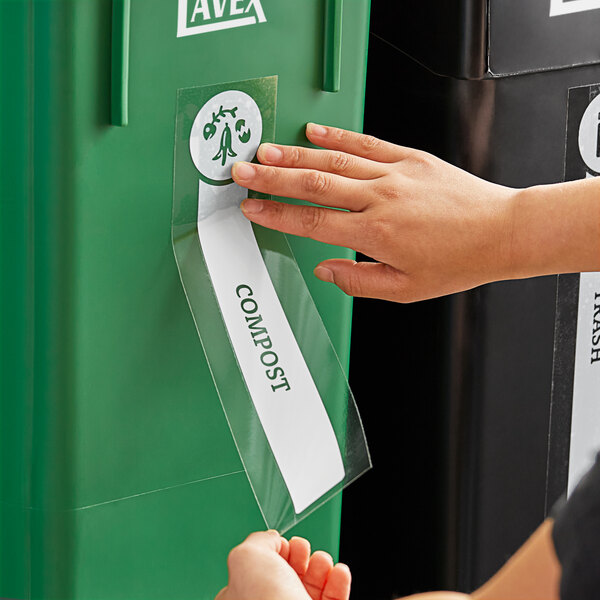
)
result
[(589, 136), (566, 7), (583, 160), (585, 420), (282, 389)]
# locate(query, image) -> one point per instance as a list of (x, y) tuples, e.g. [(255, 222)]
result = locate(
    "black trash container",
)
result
[(471, 446)]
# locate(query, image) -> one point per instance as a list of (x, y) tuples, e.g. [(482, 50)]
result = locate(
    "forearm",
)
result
[(533, 573), (555, 229)]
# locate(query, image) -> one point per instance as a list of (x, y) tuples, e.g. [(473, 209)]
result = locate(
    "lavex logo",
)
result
[(566, 7), (202, 16)]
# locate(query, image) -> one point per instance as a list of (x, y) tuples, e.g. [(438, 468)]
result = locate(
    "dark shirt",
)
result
[(576, 536)]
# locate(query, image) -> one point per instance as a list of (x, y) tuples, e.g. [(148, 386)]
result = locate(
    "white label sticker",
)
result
[(195, 17), (585, 423), (589, 136), (585, 419), (284, 394), (565, 7)]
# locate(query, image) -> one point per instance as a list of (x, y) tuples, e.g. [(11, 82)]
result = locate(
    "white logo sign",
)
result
[(227, 129), (565, 7), (589, 136), (203, 16)]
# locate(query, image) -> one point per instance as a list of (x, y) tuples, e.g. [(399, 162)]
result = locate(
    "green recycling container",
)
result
[(119, 477)]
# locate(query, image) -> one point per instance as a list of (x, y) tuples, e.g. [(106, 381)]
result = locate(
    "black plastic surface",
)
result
[(477, 39), (524, 37), (486, 386)]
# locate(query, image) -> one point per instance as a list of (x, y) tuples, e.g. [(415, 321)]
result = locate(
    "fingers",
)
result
[(358, 144), (284, 551), (321, 579), (322, 224), (304, 184), (338, 583), (338, 163), (314, 580), (299, 555), (364, 279)]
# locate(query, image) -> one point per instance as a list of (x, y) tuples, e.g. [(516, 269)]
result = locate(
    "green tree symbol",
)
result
[(243, 133)]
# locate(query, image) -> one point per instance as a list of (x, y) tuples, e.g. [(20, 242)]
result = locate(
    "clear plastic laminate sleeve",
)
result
[(284, 392)]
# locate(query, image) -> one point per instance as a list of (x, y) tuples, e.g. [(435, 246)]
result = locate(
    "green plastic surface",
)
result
[(118, 474)]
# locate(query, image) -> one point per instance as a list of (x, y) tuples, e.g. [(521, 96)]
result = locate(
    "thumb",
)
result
[(267, 540), (364, 279)]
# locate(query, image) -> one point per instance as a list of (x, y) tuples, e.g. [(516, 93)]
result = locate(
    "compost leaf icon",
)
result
[(220, 119)]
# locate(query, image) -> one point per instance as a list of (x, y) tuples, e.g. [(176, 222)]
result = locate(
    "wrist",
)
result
[(524, 256), (536, 235), (555, 229), (507, 262)]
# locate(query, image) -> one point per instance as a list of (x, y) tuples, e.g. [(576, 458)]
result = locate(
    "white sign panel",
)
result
[(585, 423), (565, 7), (585, 419)]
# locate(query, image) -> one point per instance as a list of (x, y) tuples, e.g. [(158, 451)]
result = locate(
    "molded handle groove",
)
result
[(333, 45), (119, 105)]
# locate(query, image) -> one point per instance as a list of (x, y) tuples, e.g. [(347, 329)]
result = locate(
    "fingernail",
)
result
[(243, 170), (270, 153), (324, 274), (251, 206), (317, 130)]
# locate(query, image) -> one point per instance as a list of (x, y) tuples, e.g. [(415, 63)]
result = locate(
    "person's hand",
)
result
[(433, 228), (268, 567)]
